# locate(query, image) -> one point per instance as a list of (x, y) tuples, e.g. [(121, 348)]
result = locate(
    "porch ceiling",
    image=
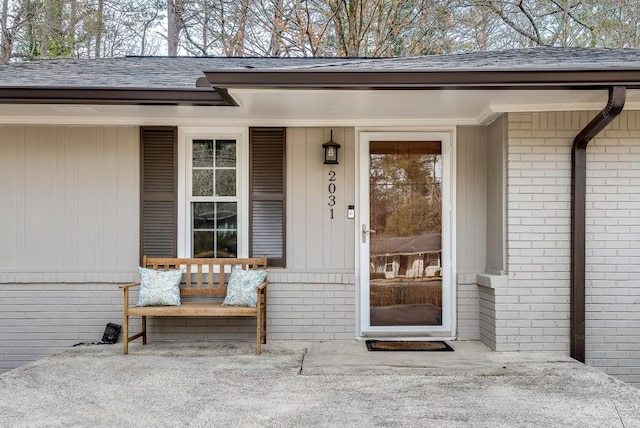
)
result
[(314, 107)]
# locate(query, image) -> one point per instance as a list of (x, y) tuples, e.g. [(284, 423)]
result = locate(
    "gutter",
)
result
[(615, 104), (413, 79), (112, 96)]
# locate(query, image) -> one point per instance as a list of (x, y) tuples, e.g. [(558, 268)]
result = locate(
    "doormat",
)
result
[(408, 345)]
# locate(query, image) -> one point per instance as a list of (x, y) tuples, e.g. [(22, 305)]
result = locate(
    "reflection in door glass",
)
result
[(405, 252)]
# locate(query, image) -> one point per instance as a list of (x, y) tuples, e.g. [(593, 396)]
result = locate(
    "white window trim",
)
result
[(185, 136)]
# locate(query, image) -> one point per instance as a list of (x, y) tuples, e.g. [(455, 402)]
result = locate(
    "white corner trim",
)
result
[(487, 116)]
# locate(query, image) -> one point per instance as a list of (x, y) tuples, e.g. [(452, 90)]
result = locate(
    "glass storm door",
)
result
[(404, 271)]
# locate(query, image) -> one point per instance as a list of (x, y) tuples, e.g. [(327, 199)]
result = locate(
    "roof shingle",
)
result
[(182, 72)]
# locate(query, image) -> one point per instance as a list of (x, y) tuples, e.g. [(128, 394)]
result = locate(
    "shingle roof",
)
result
[(172, 80), (541, 68), (182, 72), (132, 72), (538, 58)]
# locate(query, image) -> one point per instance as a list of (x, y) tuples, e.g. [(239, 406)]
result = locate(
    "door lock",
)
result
[(365, 231)]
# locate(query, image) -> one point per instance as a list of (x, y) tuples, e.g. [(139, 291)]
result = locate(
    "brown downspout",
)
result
[(613, 108)]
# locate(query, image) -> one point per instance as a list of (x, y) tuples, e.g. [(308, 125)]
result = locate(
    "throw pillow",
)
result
[(242, 289), (159, 288)]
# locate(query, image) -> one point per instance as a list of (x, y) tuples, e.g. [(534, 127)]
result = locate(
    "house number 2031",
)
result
[(332, 193)]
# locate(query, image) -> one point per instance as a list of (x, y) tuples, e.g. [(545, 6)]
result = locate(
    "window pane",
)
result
[(227, 215), (203, 244), (202, 153), (202, 182), (225, 153), (406, 251), (227, 244), (204, 215), (215, 229), (214, 218), (225, 182)]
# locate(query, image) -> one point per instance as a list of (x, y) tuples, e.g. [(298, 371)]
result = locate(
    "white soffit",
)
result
[(274, 107)]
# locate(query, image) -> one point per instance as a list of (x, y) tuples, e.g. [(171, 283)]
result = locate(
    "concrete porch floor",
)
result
[(303, 384)]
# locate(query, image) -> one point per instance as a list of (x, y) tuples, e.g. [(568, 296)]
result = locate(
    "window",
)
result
[(213, 192), (213, 197), (212, 188)]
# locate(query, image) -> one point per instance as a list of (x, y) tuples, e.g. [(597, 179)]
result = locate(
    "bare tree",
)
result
[(370, 28), (7, 34), (174, 20), (543, 22), (99, 28)]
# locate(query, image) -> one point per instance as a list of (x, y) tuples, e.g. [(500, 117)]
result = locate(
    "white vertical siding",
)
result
[(72, 202), (471, 203), (496, 144), (315, 242), (492, 284), (471, 208), (68, 231), (10, 175)]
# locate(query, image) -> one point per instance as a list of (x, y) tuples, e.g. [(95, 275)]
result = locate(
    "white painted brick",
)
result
[(38, 319), (613, 236)]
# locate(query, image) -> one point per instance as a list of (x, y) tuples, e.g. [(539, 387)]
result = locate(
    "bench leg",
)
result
[(259, 334), (125, 322), (261, 321), (125, 339), (264, 319), (144, 330)]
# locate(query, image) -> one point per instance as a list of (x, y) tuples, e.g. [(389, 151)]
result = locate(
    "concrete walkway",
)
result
[(319, 384)]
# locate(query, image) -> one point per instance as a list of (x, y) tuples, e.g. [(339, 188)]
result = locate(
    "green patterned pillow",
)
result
[(159, 288), (242, 289)]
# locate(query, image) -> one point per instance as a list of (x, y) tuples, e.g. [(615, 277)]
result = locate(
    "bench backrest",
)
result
[(206, 277)]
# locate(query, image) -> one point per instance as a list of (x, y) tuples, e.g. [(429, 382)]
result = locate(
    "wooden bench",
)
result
[(197, 281)]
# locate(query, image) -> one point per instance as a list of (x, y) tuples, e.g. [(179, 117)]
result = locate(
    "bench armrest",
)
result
[(263, 285), (132, 284)]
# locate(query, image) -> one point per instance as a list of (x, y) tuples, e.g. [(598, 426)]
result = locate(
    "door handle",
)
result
[(365, 231)]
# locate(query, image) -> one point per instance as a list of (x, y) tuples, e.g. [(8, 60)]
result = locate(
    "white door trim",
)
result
[(447, 137)]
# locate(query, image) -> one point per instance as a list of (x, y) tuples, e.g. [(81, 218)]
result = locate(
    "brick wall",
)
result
[(487, 317), (37, 320), (538, 246), (312, 306), (613, 250), (467, 307), (301, 306)]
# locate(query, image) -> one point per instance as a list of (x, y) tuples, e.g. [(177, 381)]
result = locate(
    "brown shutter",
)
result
[(159, 196), (267, 194)]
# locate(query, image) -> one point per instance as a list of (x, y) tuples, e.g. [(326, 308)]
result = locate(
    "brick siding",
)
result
[(37, 319), (538, 239)]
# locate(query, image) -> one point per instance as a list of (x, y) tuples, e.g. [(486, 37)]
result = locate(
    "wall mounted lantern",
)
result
[(331, 151)]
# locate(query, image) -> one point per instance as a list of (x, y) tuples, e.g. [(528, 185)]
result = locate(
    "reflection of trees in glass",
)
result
[(225, 182), (214, 175), (224, 245), (227, 244), (202, 153), (202, 182), (215, 229), (214, 216), (225, 153), (406, 194)]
